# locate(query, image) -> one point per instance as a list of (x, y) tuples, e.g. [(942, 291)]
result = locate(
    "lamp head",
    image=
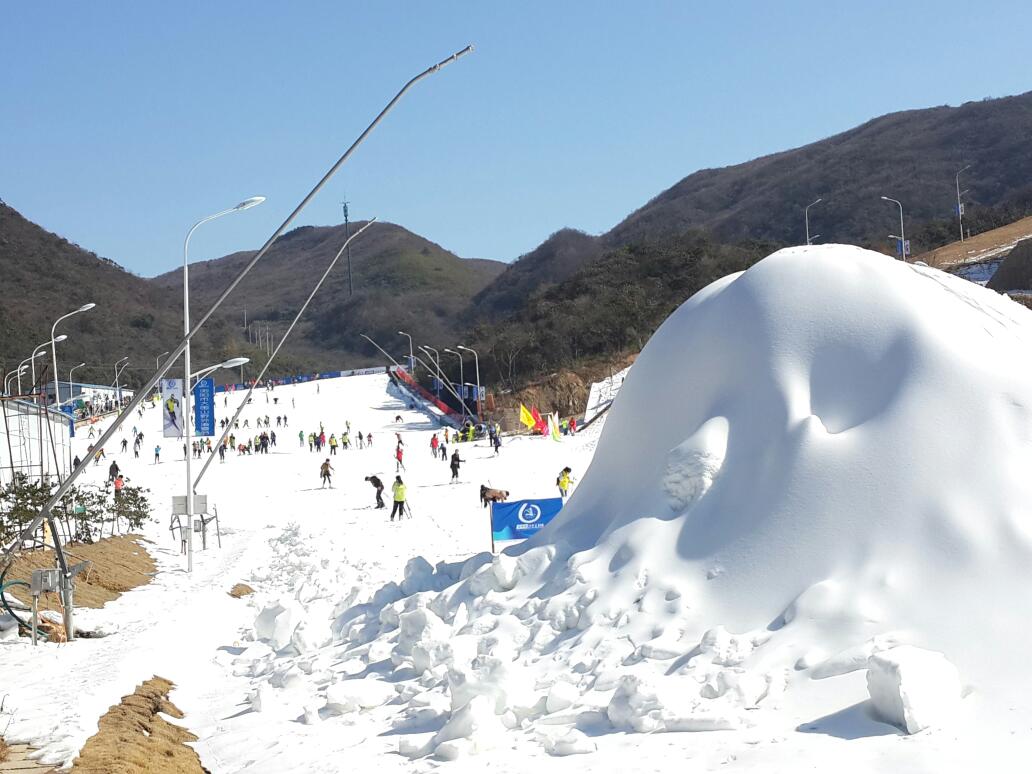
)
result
[(86, 307), (235, 362), (247, 204), (80, 365), (61, 338)]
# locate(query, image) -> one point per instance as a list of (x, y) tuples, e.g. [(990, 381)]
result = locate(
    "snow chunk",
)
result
[(354, 695), (561, 696), (276, 623), (913, 688), (573, 742)]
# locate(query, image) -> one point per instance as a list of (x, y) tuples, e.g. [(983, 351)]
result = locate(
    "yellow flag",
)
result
[(527, 418)]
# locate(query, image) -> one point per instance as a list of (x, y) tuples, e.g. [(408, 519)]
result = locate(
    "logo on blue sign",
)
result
[(520, 519)]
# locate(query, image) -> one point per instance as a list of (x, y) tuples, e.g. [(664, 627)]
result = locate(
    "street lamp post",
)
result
[(232, 363), (476, 360), (119, 366), (902, 234), (462, 383), (244, 205), (53, 348), (435, 358), (411, 354), (157, 360), (38, 351), (282, 341), (7, 379), (960, 206), (21, 369), (71, 388), (806, 216)]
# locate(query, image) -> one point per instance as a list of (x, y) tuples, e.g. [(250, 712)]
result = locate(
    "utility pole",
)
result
[(806, 215), (347, 235), (245, 317), (960, 204)]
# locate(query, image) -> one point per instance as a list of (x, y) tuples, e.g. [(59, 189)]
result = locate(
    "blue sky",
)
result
[(122, 123)]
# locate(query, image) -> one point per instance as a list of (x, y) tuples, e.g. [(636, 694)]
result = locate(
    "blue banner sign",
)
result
[(204, 407), (522, 518), (71, 420)]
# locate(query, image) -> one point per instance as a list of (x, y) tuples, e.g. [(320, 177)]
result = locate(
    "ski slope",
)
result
[(279, 530)]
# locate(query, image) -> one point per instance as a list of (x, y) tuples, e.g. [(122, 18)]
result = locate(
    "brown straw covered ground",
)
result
[(134, 739), (119, 564)]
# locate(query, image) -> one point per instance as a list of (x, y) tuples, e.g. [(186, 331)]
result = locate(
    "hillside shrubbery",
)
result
[(609, 306), (85, 514)]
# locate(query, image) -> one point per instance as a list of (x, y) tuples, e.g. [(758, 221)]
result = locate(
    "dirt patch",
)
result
[(979, 244), (118, 565), (3, 751), (240, 590), (134, 739)]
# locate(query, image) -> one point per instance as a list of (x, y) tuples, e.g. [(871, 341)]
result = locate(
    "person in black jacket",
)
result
[(378, 485), (455, 466)]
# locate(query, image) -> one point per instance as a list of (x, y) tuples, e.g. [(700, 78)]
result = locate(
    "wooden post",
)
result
[(490, 524)]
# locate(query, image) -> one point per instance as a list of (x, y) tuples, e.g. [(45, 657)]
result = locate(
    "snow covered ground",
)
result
[(812, 481)]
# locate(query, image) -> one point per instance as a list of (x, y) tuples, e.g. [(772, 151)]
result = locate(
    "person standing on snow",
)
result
[(112, 471), (378, 486), (563, 482), (333, 444), (455, 461), (399, 498), (324, 472), (497, 443), (301, 438), (157, 454), (399, 454), (433, 446)]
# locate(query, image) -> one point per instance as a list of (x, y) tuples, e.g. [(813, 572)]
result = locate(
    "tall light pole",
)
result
[(71, 388), (347, 234), (53, 348), (411, 354), (17, 372), (462, 383), (902, 234), (157, 360), (435, 358), (806, 216), (38, 350), (119, 366), (282, 340), (231, 363), (25, 364), (246, 204), (476, 359), (960, 206)]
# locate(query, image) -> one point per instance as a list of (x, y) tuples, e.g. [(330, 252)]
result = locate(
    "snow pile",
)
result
[(810, 464), (914, 688)]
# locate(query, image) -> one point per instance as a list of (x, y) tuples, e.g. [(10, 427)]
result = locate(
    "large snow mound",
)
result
[(811, 463)]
